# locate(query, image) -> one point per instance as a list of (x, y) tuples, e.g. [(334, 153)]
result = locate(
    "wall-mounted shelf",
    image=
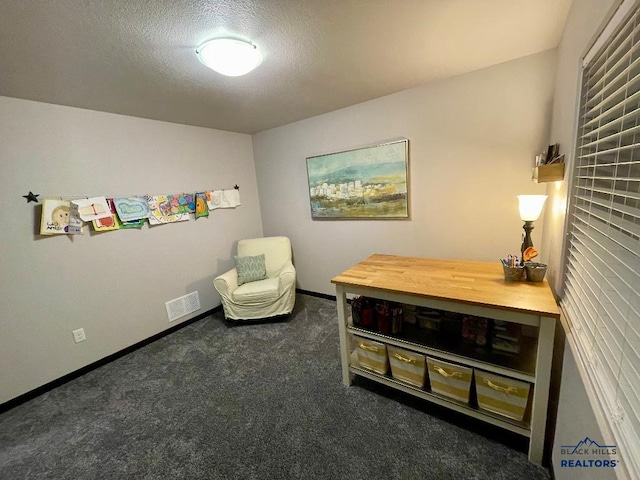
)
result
[(548, 173)]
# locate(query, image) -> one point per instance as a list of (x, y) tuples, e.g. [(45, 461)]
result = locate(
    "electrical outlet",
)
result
[(79, 336)]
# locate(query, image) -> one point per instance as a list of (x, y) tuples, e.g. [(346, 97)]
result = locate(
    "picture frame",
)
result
[(361, 183)]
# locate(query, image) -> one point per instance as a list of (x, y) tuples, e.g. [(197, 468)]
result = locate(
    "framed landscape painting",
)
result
[(368, 182)]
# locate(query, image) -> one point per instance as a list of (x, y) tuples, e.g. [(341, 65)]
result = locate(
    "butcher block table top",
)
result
[(470, 282)]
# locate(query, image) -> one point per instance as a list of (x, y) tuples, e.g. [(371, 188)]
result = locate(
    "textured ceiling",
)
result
[(137, 57)]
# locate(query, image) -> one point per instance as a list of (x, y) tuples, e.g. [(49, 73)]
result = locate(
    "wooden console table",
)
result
[(468, 288)]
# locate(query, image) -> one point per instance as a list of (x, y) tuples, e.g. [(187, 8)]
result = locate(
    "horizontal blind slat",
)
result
[(612, 205), (612, 112), (619, 262), (603, 212), (611, 137), (624, 148), (615, 81), (613, 124), (610, 99)]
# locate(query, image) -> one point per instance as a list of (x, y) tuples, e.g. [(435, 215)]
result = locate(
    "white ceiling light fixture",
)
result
[(229, 56)]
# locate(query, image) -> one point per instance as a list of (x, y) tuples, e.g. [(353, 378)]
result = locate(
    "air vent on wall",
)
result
[(182, 306)]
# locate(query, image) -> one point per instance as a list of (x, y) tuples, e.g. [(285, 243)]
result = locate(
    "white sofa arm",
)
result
[(226, 283), (287, 275)]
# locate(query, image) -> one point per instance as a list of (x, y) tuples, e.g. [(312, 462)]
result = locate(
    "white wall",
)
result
[(112, 284), (583, 21), (472, 143), (575, 419)]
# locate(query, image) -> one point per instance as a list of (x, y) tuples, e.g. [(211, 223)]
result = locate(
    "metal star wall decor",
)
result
[(31, 197)]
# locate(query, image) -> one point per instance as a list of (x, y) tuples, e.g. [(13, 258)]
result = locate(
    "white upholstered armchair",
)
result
[(271, 296)]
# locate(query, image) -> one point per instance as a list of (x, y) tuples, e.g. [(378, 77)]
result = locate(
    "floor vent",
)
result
[(182, 306)]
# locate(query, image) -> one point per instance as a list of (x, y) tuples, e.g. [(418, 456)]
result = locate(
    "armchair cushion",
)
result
[(250, 269), (259, 291)]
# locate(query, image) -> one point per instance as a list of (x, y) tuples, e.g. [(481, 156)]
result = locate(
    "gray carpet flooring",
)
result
[(261, 401)]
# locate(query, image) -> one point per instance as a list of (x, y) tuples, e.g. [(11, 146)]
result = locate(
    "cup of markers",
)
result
[(513, 268)]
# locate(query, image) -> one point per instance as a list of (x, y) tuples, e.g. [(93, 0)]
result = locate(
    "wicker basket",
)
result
[(513, 274)]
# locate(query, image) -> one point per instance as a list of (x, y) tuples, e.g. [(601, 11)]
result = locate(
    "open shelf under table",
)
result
[(521, 366)]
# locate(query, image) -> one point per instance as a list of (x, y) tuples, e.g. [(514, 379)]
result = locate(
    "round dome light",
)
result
[(229, 56)]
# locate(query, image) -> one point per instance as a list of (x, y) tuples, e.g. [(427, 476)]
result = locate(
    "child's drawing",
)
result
[(107, 223), (131, 208), (168, 209), (202, 209), (55, 217), (91, 209), (223, 199)]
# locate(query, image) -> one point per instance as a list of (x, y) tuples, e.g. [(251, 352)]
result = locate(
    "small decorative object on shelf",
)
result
[(549, 166)]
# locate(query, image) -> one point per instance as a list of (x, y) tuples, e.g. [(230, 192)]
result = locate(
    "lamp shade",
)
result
[(229, 56), (530, 206)]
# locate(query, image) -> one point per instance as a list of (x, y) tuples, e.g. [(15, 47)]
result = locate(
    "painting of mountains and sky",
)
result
[(369, 182)]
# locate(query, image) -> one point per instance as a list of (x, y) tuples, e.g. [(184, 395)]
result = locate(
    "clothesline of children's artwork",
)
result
[(68, 216)]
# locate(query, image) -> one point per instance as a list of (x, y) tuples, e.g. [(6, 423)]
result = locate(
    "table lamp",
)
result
[(530, 210)]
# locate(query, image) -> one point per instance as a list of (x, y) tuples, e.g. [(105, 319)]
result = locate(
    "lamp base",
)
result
[(526, 240)]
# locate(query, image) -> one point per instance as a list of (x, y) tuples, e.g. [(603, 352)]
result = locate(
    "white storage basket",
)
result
[(502, 395), (449, 379), (372, 355), (407, 366)]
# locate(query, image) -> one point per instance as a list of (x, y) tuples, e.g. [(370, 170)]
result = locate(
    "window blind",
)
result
[(601, 289)]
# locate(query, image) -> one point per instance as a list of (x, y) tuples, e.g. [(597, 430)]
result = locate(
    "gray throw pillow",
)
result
[(250, 269)]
